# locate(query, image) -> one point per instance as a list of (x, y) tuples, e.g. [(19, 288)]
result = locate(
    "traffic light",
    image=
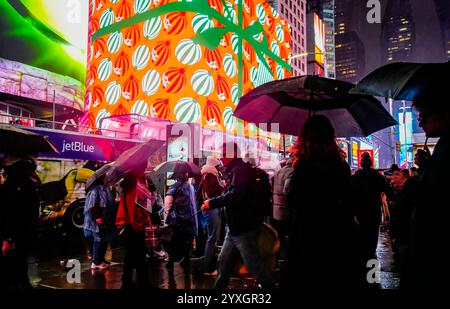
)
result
[(398, 146)]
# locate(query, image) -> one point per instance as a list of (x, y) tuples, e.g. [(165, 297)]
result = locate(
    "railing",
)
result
[(63, 126)]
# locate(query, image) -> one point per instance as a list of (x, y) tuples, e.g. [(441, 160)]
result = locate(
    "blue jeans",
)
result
[(212, 218), (247, 246), (99, 253)]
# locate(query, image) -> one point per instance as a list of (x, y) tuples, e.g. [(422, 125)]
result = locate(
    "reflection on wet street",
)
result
[(53, 250)]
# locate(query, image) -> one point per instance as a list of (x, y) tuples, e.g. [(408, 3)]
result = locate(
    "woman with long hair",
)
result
[(322, 248)]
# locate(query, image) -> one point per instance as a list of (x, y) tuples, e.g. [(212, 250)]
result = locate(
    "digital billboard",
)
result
[(47, 34), (319, 40), (183, 61)]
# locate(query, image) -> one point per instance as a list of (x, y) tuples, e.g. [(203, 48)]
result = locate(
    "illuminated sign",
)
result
[(355, 148), (183, 61), (84, 147), (48, 34), (319, 40), (405, 133)]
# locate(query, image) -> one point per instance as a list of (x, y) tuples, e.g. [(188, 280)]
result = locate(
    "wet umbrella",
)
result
[(405, 81), (178, 167), (19, 141), (134, 159), (290, 102), (99, 174)]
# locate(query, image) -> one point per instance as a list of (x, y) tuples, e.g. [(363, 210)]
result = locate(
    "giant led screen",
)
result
[(48, 34), (184, 61)]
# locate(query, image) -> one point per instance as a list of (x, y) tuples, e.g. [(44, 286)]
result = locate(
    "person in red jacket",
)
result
[(131, 221)]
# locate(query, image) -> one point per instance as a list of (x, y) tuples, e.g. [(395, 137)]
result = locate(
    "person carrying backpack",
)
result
[(180, 207), (211, 186), (244, 223)]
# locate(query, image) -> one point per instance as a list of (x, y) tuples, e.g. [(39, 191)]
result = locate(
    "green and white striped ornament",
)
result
[(274, 12), (202, 82), (140, 107), (115, 41), (141, 57), (280, 33), (114, 1), (151, 82), (280, 72), (261, 13), (113, 92), (201, 22), (234, 94), (103, 113), (275, 48), (234, 43), (187, 110), (107, 18), (104, 69), (253, 75), (228, 119), (188, 52), (152, 27), (229, 65), (140, 6), (230, 13)]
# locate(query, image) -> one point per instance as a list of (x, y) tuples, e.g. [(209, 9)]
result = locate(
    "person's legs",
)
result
[(247, 244), (98, 256), (129, 259), (141, 264), (212, 218), (227, 259)]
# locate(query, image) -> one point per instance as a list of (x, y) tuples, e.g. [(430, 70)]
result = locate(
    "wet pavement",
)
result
[(48, 269)]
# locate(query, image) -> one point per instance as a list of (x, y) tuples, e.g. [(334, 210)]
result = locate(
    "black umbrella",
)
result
[(134, 159), (99, 174), (290, 102), (178, 167), (19, 141), (405, 81)]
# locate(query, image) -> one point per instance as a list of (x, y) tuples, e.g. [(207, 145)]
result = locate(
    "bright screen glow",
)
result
[(48, 34)]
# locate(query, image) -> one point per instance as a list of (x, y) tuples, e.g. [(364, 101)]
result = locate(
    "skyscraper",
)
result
[(328, 18), (315, 33), (398, 32), (294, 11), (349, 49), (443, 12)]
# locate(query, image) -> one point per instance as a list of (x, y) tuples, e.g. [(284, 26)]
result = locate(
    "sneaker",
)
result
[(102, 266), (106, 262), (213, 274)]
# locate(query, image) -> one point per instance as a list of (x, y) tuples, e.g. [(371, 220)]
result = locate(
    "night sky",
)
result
[(428, 44)]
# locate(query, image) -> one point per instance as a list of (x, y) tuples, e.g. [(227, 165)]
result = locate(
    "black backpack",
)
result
[(261, 192)]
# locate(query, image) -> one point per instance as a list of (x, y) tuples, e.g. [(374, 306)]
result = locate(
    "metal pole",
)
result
[(391, 136), (54, 110)]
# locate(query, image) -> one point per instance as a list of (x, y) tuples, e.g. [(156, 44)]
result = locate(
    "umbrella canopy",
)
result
[(134, 159), (178, 167), (19, 141), (291, 101), (405, 81), (99, 174)]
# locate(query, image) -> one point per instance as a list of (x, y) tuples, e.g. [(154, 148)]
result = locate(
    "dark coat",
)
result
[(427, 257), (239, 209), (367, 186), (322, 249), (20, 200)]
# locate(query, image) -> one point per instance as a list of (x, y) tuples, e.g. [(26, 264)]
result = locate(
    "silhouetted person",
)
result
[(322, 249), (426, 264), (367, 186)]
